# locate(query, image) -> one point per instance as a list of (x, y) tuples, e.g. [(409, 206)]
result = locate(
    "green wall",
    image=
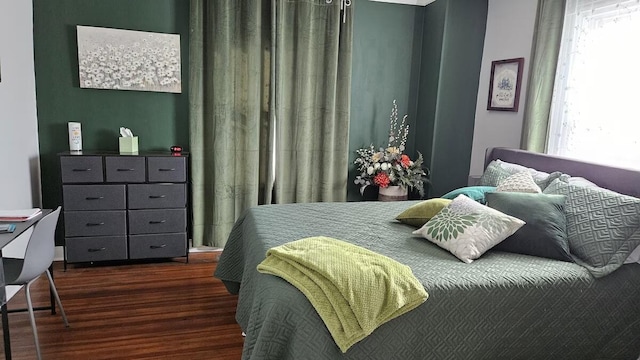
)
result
[(158, 119), (385, 67), (432, 40), (427, 58), (452, 55)]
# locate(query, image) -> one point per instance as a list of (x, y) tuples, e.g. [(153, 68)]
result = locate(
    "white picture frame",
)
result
[(119, 59)]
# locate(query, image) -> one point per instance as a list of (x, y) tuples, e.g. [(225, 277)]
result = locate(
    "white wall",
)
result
[(509, 35), (19, 156)]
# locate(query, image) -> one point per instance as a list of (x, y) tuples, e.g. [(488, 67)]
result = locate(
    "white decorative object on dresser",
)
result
[(124, 207)]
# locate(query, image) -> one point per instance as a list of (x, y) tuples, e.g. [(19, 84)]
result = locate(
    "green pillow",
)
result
[(418, 214), (603, 227), (545, 231), (473, 192), (494, 174)]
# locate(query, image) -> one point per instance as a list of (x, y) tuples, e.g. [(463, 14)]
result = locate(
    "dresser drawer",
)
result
[(157, 246), (94, 197), (79, 169), (84, 249), (156, 196), (125, 169), (95, 223), (157, 221), (167, 168)]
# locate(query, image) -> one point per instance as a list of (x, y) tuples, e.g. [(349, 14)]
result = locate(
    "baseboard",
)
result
[(59, 254)]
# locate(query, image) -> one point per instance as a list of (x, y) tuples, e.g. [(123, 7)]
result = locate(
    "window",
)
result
[(595, 113)]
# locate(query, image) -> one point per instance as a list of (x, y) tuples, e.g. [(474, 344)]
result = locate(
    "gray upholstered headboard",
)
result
[(624, 181)]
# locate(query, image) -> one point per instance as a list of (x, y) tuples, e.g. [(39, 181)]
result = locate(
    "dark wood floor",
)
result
[(167, 310)]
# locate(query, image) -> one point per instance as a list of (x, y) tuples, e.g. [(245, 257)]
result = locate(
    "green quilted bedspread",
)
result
[(501, 306)]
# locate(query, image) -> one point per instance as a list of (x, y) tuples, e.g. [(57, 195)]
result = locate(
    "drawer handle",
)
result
[(157, 196), (157, 246), (96, 249), (172, 169), (95, 224), (87, 169), (125, 169), (94, 197), (157, 221)]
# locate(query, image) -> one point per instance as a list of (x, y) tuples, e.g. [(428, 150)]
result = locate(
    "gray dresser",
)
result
[(121, 207)]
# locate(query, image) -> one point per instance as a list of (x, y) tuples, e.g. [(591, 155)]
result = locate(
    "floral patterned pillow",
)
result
[(468, 229)]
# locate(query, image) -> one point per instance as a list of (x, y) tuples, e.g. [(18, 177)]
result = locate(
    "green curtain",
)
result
[(546, 47), (312, 100), (228, 111), (269, 103)]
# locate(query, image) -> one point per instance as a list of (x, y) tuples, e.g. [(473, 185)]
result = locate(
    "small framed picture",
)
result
[(504, 85)]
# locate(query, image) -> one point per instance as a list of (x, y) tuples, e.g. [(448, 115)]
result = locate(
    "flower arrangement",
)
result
[(389, 166)]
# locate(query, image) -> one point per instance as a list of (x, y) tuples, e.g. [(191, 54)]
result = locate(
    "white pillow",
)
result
[(519, 182), (498, 170), (536, 174), (468, 229)]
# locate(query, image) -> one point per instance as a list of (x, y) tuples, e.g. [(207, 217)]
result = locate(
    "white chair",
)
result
[(38, 257)]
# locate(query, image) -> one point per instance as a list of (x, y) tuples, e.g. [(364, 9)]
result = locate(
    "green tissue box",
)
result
[(128, 144)]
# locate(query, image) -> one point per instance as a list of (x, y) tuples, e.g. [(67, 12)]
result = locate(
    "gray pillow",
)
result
[(545, 231), (603, 227), (498, 170)]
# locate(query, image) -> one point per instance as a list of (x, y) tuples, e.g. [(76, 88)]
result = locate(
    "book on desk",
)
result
[(19, 215), (7, 228)]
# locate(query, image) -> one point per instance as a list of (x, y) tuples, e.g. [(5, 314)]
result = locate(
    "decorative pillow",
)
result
[(545, 231), (493, 174), (498, 170), (473, 192), (468, 229), (576, 180), (519, 182), (603, 227), (418, 214)]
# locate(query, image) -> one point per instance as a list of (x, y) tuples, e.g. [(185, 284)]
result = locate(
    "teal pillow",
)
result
[(603, 227), (473, 192), (545, 231)]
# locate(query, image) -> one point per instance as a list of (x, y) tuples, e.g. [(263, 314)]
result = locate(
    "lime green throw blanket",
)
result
[(354, 290)]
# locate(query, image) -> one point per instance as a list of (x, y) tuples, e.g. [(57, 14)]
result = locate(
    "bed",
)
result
[(501, 306)]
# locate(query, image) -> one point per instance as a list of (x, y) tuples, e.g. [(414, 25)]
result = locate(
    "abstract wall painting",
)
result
[(128, 60)]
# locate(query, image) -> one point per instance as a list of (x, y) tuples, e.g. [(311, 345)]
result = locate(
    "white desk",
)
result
[(5, 239)]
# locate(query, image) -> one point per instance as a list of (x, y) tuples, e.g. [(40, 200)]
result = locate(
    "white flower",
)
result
[(370, 170), (376, 166), (384, 166)]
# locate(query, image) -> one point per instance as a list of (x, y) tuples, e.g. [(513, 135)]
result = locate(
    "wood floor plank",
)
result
[(162, 310)]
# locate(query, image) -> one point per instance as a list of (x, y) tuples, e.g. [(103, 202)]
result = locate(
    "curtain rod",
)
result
[(343, 7)]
